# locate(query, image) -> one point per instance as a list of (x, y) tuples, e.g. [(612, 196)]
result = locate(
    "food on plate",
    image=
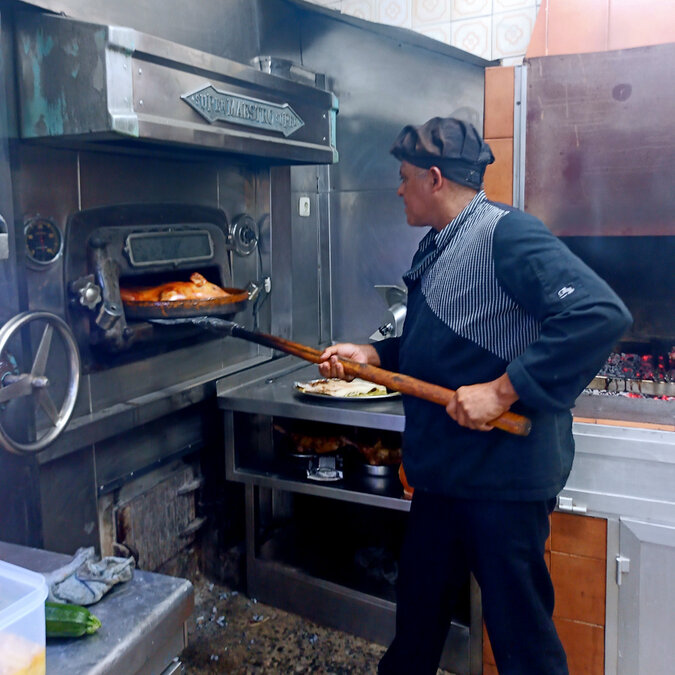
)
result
[(340, 388), (198, 288)]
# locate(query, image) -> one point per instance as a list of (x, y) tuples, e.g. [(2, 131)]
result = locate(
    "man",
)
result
[(500, 310)]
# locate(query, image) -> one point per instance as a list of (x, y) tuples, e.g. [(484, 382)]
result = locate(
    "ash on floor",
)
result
[(231, 633)]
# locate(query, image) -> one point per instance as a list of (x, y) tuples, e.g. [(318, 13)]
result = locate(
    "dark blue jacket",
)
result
[(495, 291)]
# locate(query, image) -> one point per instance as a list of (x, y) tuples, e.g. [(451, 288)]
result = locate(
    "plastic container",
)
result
[(22, 621)]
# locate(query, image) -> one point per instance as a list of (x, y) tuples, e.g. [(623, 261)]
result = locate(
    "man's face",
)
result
[(414, 189)]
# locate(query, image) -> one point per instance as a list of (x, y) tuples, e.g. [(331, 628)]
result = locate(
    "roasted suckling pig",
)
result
[(198, 288)]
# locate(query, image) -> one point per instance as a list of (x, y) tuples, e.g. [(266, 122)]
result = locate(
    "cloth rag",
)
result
[(85, 580)]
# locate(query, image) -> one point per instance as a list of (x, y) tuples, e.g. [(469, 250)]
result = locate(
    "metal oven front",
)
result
[(139, 163)]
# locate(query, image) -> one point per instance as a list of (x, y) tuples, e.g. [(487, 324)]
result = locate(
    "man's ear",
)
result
[(436, 178)]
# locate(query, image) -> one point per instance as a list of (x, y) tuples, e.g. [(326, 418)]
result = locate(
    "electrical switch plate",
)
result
[(303, 206)]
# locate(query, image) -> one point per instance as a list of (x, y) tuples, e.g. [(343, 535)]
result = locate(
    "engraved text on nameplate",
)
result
[(216, 105)]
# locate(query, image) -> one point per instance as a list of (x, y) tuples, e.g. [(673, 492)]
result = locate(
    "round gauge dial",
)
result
[(43, 241)]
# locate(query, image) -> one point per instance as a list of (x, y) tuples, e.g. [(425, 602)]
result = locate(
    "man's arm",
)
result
[(580, 315)]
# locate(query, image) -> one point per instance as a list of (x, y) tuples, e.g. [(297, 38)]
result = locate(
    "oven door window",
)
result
[(161, 248)]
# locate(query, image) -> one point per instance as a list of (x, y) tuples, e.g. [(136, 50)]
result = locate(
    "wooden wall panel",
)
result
[(579, 535), (584, 645), (580, 588), (499, 176), (499, 96)]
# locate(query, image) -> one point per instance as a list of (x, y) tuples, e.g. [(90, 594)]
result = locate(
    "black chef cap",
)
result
[(452, 145)]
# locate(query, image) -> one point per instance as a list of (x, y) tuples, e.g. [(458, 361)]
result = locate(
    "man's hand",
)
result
[(476, 405), (330, 366)]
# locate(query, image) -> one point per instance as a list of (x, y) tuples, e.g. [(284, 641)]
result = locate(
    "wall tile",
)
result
[(463, 9), (632, 24), (511, 32), (425, 12), (510, 5), (395, 13), (577, 26), (473, 35), (362, 9), (499, 95), (440, 31)]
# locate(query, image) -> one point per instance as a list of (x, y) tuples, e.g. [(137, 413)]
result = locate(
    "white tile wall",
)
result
[(511, 32), (395, 13), (492, 29), (438, 31), (473, 35), (465, 9), (430, 12), (362, 9)]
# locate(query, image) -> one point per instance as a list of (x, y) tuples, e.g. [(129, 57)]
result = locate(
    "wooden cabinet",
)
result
[(576, 555)]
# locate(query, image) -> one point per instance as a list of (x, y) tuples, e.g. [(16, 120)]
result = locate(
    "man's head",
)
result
[(452, 145), (442, 167)]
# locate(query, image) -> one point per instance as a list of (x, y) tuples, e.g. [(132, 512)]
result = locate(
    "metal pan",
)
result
[(185, 309)]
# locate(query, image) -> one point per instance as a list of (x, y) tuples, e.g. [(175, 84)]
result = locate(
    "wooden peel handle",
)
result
[(508, 421)]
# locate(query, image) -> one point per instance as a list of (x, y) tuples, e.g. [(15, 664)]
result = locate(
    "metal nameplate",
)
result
[(215, 105)]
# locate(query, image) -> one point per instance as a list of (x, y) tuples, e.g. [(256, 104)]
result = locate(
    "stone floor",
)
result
[(231, 633)]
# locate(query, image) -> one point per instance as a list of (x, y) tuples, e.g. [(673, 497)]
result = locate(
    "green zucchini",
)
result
[(69, 620)]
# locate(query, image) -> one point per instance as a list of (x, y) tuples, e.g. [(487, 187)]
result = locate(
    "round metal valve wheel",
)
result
[(35, 384)]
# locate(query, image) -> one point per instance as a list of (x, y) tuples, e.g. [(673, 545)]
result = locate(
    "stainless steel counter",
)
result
[(142, 622)]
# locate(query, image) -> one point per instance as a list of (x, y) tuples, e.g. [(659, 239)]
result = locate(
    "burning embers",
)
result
[(637, 375), (640, 367)]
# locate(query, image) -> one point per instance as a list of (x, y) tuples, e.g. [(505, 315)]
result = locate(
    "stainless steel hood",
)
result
[(87, 82)]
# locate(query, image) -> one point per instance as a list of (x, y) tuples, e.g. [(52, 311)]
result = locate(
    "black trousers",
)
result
[(502, 543)]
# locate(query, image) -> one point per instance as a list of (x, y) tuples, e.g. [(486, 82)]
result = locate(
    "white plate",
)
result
[(306, 389)]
